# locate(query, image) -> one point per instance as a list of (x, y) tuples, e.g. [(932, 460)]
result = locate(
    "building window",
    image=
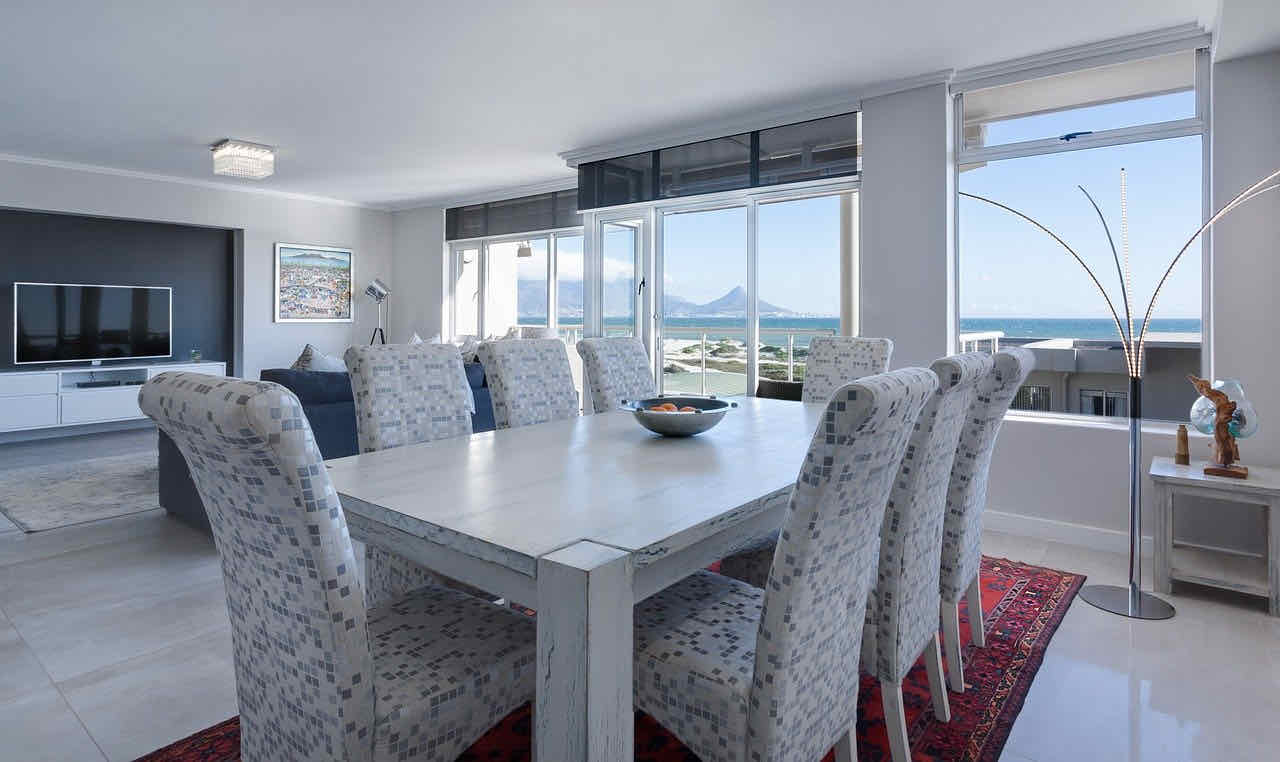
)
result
[(1029, 145), (1032, 397), (1101, 402)]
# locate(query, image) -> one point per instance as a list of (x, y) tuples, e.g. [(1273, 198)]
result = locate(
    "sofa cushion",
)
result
[(312, 387), (475, 375)]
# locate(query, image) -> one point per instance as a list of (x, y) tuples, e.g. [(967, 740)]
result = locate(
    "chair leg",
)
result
[(951, 642), (937, 686), (974, 596), (847, 747), (895, 721)]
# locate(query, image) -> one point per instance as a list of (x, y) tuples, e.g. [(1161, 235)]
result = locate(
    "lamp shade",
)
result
[(377, 291)]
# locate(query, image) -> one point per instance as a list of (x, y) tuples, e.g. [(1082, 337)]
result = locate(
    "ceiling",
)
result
[(397, 104)]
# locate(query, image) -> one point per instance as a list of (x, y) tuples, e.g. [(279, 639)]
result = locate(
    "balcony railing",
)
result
[(714, 345), (972, 342)]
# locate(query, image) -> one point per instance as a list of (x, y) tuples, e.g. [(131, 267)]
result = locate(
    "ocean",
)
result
[(773, 329)]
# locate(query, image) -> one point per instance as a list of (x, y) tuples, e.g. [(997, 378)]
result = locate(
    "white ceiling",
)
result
[(395, 103)]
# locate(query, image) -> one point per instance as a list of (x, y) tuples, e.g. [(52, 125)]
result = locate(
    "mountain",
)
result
[(732, 304)]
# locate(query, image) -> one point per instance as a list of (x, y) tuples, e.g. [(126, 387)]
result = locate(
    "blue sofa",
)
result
[(330, 408)]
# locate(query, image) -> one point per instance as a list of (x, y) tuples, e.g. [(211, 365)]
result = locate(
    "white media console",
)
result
[(45, 399)]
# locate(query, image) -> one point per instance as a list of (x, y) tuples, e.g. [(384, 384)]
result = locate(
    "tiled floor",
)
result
[(114, 641)]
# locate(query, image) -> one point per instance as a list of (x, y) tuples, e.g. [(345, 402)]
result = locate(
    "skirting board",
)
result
[(1082, 535)]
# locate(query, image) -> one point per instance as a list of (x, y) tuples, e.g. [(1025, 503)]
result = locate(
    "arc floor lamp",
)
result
[(1129, 600)]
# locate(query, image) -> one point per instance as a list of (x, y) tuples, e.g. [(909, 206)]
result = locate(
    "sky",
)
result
[(1007, 268)]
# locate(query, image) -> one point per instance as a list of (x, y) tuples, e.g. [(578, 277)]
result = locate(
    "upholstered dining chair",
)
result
[(742, 673), (529, 381), (834, 361), (405, 394), (320, 676), (616, 369), (967, 499), (902, 619)]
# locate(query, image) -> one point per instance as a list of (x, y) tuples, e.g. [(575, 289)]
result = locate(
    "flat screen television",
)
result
[(73, 322)]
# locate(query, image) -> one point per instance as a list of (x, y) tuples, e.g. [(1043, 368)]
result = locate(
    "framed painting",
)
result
[(313, 284)]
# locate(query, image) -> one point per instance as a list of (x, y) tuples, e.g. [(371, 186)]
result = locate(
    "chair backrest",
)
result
[(408, 393), (304, 673), (529, 381), (804, 689), (834, 361), (967, 490), (902, 611), (615, 369)]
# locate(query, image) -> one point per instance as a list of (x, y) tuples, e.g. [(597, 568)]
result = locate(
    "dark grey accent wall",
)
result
[(62, 248)]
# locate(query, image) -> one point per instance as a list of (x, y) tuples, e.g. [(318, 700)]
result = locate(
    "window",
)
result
[(1018, 286), (812, 150), (466, 263), (517, 284), (621, 249), (1032, 397), (706, 167), (569, 285), (704, 321), (799, 288), (1101, 402)]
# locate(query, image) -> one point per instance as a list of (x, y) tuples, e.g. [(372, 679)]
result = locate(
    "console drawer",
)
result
[(28, 412), (12, 385), (90, 405)]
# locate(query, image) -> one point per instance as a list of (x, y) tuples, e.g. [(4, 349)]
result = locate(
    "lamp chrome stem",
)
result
[(1129, 600)]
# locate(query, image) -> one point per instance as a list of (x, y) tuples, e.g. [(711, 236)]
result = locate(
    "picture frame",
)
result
[(314, 284)]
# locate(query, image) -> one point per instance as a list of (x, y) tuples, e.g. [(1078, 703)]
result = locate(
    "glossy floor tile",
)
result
[(139, 705), (114, 641)]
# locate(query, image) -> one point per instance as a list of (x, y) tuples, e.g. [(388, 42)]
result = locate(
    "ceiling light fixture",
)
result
[(239, 158)]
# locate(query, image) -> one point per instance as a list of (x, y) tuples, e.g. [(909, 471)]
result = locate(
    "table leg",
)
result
[(1162, 537), (583, 711), (1273, 556)]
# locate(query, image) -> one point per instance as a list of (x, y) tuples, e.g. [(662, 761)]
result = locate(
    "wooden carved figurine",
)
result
[(1225, 451)]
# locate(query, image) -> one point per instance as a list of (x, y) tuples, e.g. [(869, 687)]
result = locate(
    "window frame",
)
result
[(652, 213), (481, 245), (1200, 124)]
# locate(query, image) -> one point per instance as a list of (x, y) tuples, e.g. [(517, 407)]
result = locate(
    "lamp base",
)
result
[(1116, 600)]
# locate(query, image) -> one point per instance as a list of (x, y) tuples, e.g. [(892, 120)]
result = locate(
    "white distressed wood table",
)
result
[(580, 519), (1203, 566)]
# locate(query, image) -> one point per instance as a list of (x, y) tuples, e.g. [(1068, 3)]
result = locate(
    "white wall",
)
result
[(1246, 244), (417, 273), (265, 220), (906, 222)]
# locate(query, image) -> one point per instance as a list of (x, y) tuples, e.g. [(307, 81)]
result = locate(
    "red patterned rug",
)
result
[(1023, 605)]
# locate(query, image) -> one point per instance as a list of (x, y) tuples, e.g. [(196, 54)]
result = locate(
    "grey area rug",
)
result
[(37, 498)]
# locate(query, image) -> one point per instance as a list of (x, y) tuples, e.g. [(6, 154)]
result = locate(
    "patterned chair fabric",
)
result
[(836, 360), (408, 393), (967, 491), (740, 673), (529, 380), (405, 394), (902, 611), (318, 675), (616, 369)]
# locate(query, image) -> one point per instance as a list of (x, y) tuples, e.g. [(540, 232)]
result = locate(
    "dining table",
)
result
[(580, 519)]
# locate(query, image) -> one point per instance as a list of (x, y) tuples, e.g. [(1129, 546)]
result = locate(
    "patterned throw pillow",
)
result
[(313, 359), (416, 339)]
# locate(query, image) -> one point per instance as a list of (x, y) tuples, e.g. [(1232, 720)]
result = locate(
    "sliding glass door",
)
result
[(799, 290), (705, 347)]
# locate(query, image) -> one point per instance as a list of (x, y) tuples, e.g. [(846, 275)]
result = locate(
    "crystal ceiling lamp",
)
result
[(239, 158)]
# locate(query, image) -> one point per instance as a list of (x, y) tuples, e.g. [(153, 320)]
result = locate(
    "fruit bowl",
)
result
[(699, 414)]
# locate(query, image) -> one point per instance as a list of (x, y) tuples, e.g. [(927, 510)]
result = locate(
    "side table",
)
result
[(1203, 566)]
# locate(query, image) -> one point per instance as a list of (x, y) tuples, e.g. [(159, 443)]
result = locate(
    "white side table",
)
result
[(1201, 566)]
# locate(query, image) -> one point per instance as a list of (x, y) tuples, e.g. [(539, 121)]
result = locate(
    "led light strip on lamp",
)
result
[(239, 158)]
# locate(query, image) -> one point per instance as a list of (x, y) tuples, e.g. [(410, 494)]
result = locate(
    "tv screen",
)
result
[(76, 323)]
